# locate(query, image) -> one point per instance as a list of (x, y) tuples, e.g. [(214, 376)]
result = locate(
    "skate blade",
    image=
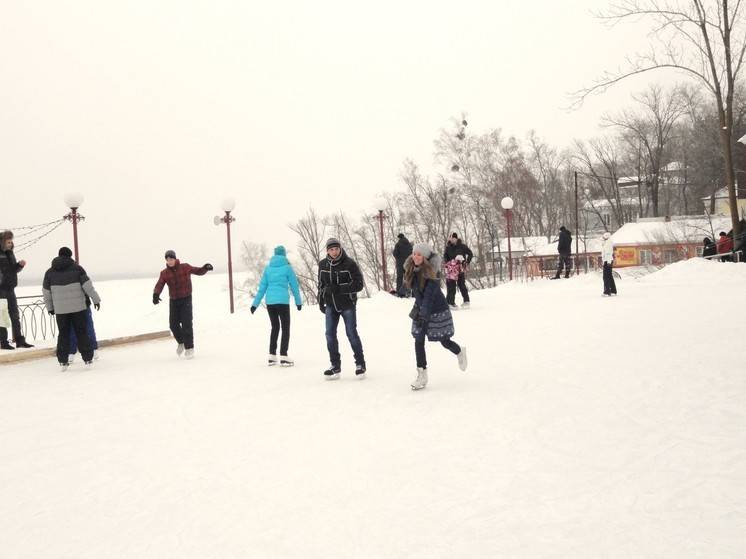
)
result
[(417, 387), (287, 364), (361, 376), (331, 377)]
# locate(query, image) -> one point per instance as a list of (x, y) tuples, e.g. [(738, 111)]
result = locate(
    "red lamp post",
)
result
[(74, 201), (381, 217), (228, 205), (507, 204)]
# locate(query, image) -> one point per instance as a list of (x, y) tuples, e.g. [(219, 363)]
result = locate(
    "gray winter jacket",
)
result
[(67, 288)]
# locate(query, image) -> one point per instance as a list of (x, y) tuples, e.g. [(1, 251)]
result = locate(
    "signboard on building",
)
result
[(625, 256)]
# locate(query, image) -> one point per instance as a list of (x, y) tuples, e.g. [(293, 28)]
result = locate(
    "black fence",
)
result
[(36, 323)]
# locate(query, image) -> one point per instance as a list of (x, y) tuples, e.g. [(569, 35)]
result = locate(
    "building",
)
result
[(722, 202)]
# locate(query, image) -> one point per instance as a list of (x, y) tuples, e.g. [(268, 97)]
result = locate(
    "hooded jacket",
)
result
[(343, 276), (564, 245), (452, 251), (66, 287), (277, 280)]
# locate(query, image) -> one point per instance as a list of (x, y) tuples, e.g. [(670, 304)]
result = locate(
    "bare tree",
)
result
[(705, 40), (254, 257), (311, 231)]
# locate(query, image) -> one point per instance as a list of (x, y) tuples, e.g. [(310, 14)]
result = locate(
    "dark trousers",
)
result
[(89, 329), (15, 318), (609, 284), (400, 281), (67, 323), (350, 319), (279, 316), (565, 260), (180, 321), (451, 289), (419, 349)]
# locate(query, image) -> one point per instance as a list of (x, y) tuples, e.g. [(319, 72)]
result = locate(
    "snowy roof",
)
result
[(673, 167), (688, 229), (602, 203), (627, 180), (520, 244)]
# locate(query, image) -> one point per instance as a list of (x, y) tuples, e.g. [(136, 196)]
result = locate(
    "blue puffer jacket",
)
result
[(277, 280)]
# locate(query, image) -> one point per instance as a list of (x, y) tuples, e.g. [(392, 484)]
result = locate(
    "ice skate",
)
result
[(462, 362), (64, 367), (466, 305), (421, 381), (189, 353), (360, 371), (285, 361), (332, 373), (179, 349), (272, 360)]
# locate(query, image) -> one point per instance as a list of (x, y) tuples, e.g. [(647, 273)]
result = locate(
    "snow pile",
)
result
[(700, 272), (585, 427)]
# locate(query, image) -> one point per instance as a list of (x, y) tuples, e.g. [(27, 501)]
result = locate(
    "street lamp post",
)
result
[(73, 201), (507, 204), (577, 226), (381, 216), (228, 205)]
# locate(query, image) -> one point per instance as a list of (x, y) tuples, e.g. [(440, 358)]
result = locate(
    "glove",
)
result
[(208, 267), (97, 306), (253, 310), (299, 307), (51, 313), (156, 299), (322, 308)]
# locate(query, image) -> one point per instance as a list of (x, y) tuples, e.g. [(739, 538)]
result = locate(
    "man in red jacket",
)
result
[(725, 246), (178, 277)]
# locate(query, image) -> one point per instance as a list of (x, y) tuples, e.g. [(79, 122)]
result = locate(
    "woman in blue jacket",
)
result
[(431, 315), (277, 280)]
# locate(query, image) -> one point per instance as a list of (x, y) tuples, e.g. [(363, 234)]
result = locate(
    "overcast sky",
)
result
[(155, 111)]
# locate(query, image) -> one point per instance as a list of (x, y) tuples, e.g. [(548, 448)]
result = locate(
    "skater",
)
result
[(564, 248), (709, 248), (9, 270), (66, 288), (455, 248), (431, 315), (178, 277), (278, 278), (607, 255), (402, 251), (340, 280), (91, 335), (725, 247)]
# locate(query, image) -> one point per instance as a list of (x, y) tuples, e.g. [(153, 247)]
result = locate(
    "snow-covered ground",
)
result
[(584, 427)]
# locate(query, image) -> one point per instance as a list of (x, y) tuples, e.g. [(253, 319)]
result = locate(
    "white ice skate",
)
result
[(453, 307), (189, 353), (271, 360), (179, 349), (462, 363), (466, 305), (88, 365), (286, 361), (421, 381), (71, 358), (64, 367), (95, 355)]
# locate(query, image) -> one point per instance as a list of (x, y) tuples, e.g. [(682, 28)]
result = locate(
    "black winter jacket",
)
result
[(564, 246), (339, 282), (9, 269), (402, 250), (452, 251)]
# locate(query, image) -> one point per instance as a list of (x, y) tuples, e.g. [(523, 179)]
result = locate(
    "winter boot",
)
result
[(285, 361), (360, 371), (421, 381), (555, 277), (567, 275), (5, 345), (23, 343), (179, 349), (462, 363), (332, 373), (189, 353), (271, 360)]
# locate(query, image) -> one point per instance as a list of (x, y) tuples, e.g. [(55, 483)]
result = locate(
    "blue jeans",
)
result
[(350, 319), (91, 333)]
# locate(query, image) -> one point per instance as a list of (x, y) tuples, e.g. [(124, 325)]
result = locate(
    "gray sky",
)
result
[(157, 110)]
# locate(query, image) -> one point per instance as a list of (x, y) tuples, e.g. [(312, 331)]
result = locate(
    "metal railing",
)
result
[(36, 323)]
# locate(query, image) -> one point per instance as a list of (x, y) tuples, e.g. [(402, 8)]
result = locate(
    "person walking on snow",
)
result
[(340, 280), (431, 315), (402, 251), (455, 248), (178, 276), (277, 280), (607, 255), (564, 248), (9, 270), (66, 289)]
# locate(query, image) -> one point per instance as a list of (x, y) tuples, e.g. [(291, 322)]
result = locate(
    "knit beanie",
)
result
[(170, 254), (280, 251), (64, 251), (332, 242), (424, 249)]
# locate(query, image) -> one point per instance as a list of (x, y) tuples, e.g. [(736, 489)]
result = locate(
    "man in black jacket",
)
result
[(564, 248), (455, 248), (340, 280), (9, 269), (402, 250)]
